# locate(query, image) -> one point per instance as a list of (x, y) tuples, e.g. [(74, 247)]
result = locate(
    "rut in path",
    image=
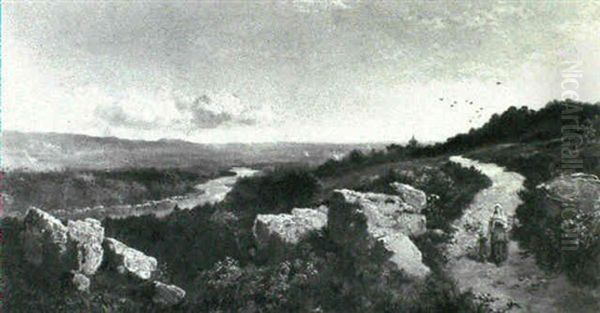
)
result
[(518, 279)]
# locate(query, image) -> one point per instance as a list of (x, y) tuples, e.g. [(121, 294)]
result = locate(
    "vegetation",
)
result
[(540, 230), (210, 252), (453, 186), (47, 288), (515, 125), (79, 189)]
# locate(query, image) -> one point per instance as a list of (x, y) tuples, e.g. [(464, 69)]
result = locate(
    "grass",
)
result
[(78, 189)]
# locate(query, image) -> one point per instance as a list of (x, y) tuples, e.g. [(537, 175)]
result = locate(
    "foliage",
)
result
[(453, 186), (542, 232), (275, 191), (515, 125), (79, 189), (48, 288), (540, 229), (319, 276)]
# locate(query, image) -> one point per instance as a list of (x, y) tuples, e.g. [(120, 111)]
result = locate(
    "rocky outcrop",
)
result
[(405, 255), (80, 249), (87, 237), (385, 213), (75, 248), (365, 221), (128, 260), (167, 295), (578, 191), (45, 236), (574, 200), (288, 228), (411, 195)]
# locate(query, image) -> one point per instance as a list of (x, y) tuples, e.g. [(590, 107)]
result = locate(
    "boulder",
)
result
[(575, 199), (578, 191), (167, 295), (288, 228), (385, 213), (44, 237), (405, 255), (81, 282), (87, 237), (362, 222), (411, 195), (128, 260)]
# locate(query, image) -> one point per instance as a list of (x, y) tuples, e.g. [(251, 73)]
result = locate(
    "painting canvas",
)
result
[(307, 156)]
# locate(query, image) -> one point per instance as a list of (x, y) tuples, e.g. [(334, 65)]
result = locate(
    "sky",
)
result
[(288, 70)]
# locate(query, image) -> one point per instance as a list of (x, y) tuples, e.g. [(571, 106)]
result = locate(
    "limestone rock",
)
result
[(44, 236), (411, 195), (87, 237), (81, 282), (578, 191), (288, 228), (167, 295), (406, 256), (361, 220), (575, 199), (386, 214), (128, 260)]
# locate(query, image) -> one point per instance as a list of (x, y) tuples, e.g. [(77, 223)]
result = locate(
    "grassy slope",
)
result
[(79, 188)]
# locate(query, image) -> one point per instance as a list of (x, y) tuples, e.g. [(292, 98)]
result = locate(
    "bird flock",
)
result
[(478, 113)]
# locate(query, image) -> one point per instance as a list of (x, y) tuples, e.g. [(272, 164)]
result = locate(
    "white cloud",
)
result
[(322, 5)]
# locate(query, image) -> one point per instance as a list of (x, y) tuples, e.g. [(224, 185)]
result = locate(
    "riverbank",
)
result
[(211, 191)]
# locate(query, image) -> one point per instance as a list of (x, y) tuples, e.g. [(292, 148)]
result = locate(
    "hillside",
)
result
[(54, 151), (309, 238)]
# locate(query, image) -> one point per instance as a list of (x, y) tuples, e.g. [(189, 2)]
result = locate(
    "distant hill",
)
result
[(525, 125), (571, 120), (53, 151)]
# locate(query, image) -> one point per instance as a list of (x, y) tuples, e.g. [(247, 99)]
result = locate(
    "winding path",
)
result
[(518, 280)]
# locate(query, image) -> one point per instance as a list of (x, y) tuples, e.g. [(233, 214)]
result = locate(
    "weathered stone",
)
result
[(438, 232), (411, 195), (288, 228), (386, 213), (81, 282), (128, 260), (406, 256), (360, 220), (87, 237), (44, 235), (579, 191), (167, 295), (575, 199)]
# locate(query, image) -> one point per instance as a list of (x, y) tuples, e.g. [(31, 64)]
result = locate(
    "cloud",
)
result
[(115, 115), (323, 5), (215, 110)]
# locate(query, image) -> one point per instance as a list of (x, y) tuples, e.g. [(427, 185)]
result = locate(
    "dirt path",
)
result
[(518, 279)]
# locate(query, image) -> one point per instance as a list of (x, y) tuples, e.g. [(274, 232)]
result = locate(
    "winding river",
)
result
[(209, 192)]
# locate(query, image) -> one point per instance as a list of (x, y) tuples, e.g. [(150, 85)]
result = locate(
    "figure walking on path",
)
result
[(498, 230)]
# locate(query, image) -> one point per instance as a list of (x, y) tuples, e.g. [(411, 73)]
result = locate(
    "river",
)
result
[(211, 191)]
